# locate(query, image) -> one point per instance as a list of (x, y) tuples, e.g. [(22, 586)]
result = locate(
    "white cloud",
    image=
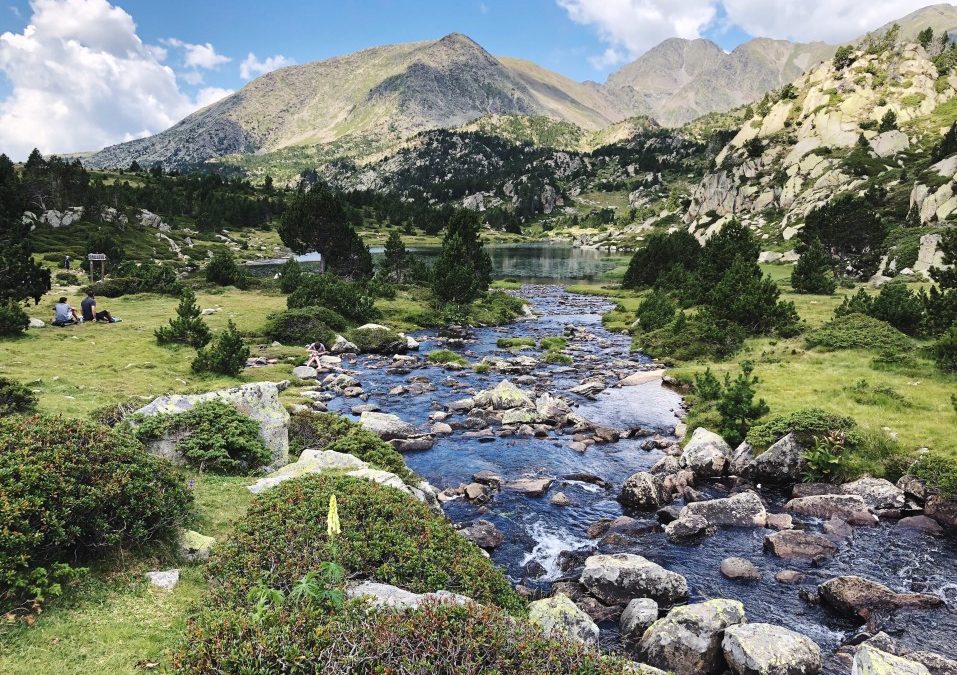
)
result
[(81, 79), (192, 77), (631, 27), (252, 66), (198, 56), (208, 95)]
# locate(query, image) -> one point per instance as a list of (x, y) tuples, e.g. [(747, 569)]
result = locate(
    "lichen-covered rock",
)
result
[(871, 661), (744, 509), (483, 534), (636, 619), (706, 454), (616, 579), (643, 491), (387, 427), (309, 462), (741, 459), (766, 649), (846, 507), (781, 463), (258, 401), (342, 346), (559, 614), (504, 396), (739, 568), (688, 640), (194, 546), (943, 510), (877, 493)]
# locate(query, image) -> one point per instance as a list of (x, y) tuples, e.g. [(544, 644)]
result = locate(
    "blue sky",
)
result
[(82, 74)]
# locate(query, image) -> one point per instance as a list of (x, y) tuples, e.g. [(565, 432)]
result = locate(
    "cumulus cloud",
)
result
[(208, 95), (252, 67), (198, 56), (631, 27), (81, 79)]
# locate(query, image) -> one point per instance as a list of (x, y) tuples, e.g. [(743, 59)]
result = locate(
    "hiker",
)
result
[(64, 315), (316, 350), (88, 307), (66, 262)]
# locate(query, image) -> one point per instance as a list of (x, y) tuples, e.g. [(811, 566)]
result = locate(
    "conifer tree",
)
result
[(813, 273), (187, 327), (463, 270)]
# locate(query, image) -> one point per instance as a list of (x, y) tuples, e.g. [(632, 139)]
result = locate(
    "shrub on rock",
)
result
[(304, 325), (71, 490)]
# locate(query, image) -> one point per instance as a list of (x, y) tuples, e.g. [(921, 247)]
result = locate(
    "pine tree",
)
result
[(187, 327), (463, 270), (813, 273), (737, 407), (888, 122), (394, 258), (226, 355), (21, 277)]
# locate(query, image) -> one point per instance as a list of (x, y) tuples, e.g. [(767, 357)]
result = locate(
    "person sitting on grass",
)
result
[(64, 315), (88, 306)]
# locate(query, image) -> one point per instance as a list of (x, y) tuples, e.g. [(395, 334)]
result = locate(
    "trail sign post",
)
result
[(97, 258)]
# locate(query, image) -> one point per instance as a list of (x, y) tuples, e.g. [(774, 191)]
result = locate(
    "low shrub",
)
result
[(556, 357), (514, 343), (72, 490), (945, 350), (13, 320), (656, 311), (67, 278), (446, 356), (378, 341), (434, 638), (226, 355), (495, 309), (806, 424), (15, 398), (223, 270), (343, 297), (304, 326), (698, 337), (858, 331), (145, 277), (940, 472), (328, 431), (385, 535), (214, 436)]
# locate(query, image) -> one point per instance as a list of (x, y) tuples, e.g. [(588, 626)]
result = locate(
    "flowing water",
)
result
[(535, 530)]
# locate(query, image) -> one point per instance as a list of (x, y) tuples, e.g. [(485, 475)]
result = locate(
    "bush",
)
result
[(662, 254), (699, 337), (290, 275), (345, 298), (146, 277), (15, 399), (67, 278), (71, 491), (386, 535), (328, 431), (223, 270), (495, 308), (446, 356), (226, 355), (656, 310), (945, 350), (746, 297), (843, 57), (939, 471), (440, 638), (214, 437), (304, 326), (813, 273), (900, 307), (557, 357), (13, 320), (188, 327), (858, 331), (553, 342), (806, 424), (378, 341)]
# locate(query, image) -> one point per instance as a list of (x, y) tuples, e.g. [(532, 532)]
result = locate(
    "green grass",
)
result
[(444, 356)]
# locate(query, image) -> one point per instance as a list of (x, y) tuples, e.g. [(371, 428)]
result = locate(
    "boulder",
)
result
[(744, 509), (789, 577), (386, 426), (305, 372), (36, 323), (877, 493), (799, 544), (258, 401), (943, 510), (923, 524), (165, 579), (858, 598), (194, 546), (871, 661), (310, 461), (559, 614), (847, 507), (560, 499), (889, 143), (739, 568), (766, 649), (483, 534), (782, 463), (385, 596), (686, 528), (636, 619), (617, 578), (706, 454), (343, 346), (913, 487), (504, 396), (688, 640), (534, 487), (643, 491), (741, 459)]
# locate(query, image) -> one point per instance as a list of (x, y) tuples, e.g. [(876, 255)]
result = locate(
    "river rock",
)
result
[(741, 459), (534, 487), (617, 578), (504, 396), (687, 527), (857, 598), (851, 508), (923, 524), (489, 478), (943, 510), (706, 454), (476, 492), (643, 491), (799, 544), (441, 429), (559, 614), (483, 534), (739, 568), (782, 463), (560, 499), (688, 640), (780, 521), (766, 649), (913, 487), (877, 493), (744, 509), (258, 401), (387, 426), (305, 372), (871, 661), (415, 444), (665, 466), (342, 346), (789, 577), (635, 620)]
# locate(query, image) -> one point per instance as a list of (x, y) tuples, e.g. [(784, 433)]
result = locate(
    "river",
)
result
[(538, 531)]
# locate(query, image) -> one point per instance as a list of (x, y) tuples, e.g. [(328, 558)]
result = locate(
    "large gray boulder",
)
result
[(643, 491), (847, 507), (385, 596), (871, 661), (799, 544), (309, 462), (616, 579), (858, 598), (744, 509), (636, 619), (559, 614), (877, 493), (387, 427), (783, 462), (706, 454), (258, 401), (504, 396), (688, 640), (765, 649)]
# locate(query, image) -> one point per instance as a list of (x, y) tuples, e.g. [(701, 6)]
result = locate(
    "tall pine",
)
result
[(463, 270)]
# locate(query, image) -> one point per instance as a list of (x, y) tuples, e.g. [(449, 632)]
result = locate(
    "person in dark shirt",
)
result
[(88, 307)]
